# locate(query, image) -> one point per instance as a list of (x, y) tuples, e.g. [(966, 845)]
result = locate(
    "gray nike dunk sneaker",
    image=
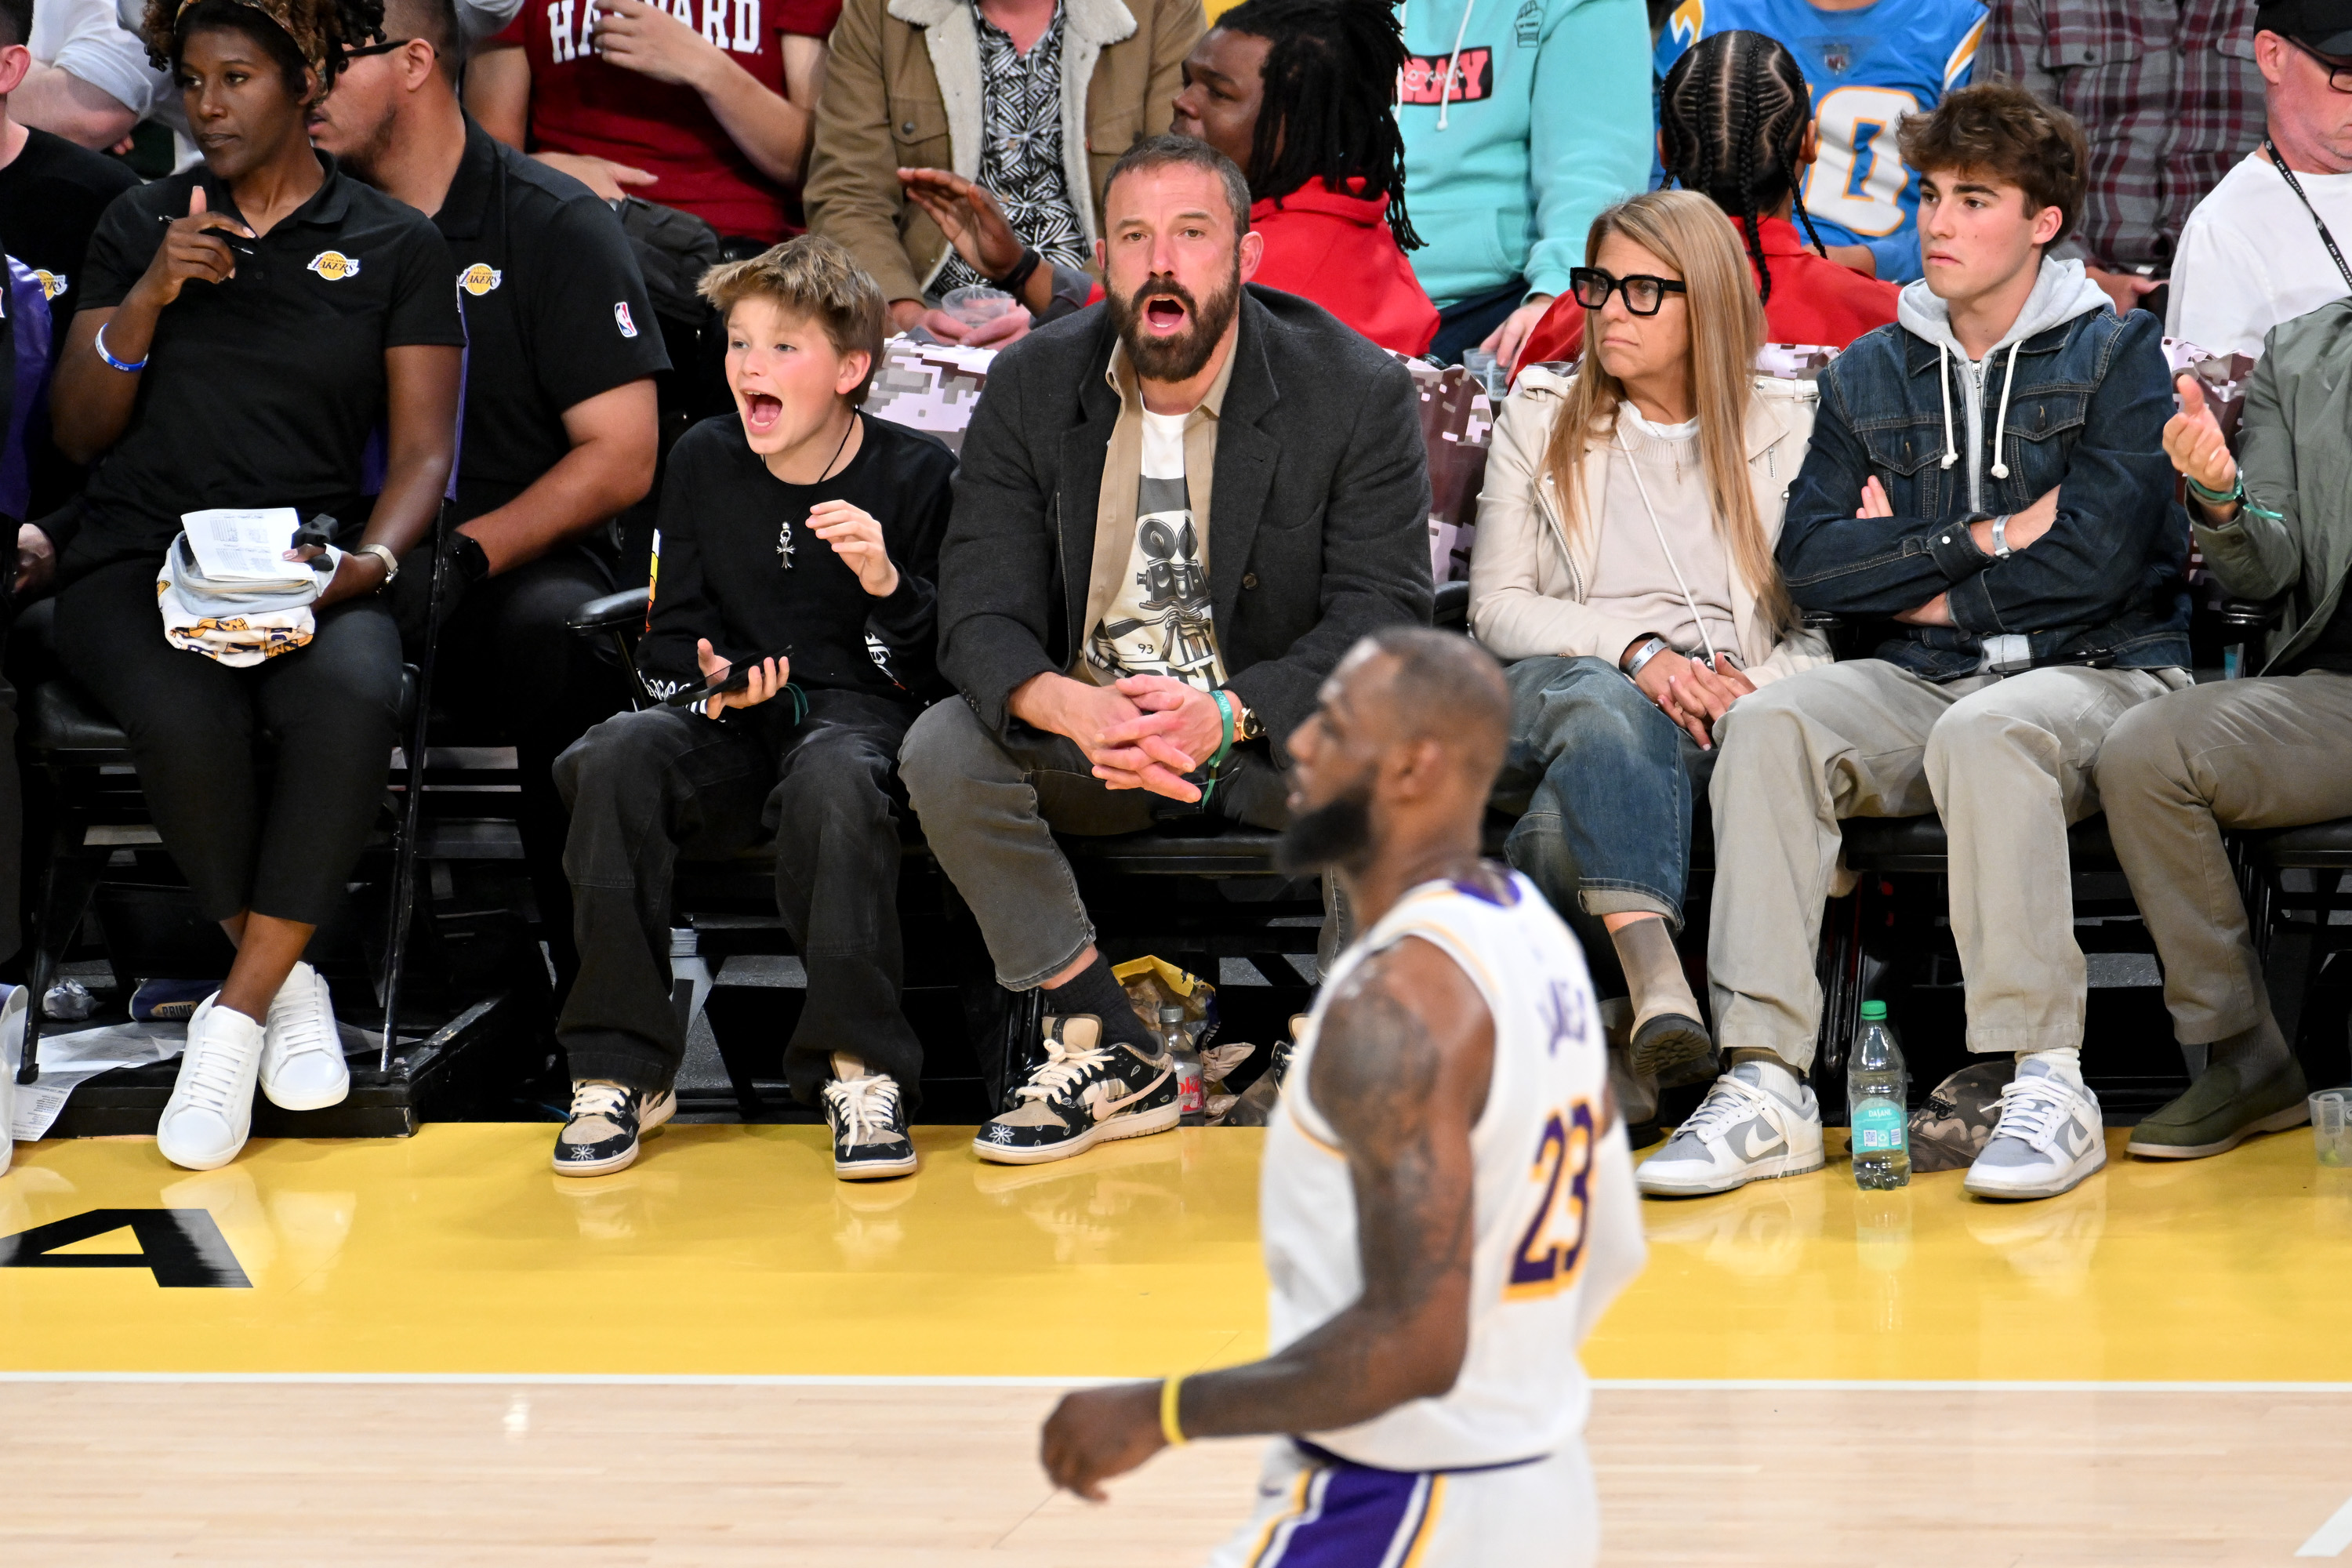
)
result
[(2049, 1138), (1758, 1121)]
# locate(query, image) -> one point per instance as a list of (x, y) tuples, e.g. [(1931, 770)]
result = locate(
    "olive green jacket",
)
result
[(2294, 451), (902, 87)]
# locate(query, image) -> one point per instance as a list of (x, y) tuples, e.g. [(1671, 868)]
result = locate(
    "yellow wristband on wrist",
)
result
[(1171, 1389)]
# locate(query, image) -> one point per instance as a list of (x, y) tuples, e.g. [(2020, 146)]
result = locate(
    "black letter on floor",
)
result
[(182, 1247)]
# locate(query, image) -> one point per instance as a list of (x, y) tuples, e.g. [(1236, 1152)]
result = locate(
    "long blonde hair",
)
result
[(1688, 233)]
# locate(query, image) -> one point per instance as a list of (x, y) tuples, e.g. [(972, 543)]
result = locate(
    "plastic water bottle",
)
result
[(1876, 1090), (689, 976), (1192, 1089)]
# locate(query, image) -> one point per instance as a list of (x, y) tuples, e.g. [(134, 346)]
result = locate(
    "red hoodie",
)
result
[(1814, 300), (1336, 250)]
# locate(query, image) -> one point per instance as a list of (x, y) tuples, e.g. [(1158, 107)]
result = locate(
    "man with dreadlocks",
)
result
[(1736, 126), (1296, 93)]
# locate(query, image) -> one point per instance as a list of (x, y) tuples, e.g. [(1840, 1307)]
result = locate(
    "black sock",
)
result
[(1094, 990)]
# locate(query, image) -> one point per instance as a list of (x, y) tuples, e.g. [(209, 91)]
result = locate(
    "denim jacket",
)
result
[(2084, 409)]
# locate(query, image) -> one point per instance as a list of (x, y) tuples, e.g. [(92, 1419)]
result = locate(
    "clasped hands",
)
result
[(2024, 527), (1687, 691), (1145, 732)]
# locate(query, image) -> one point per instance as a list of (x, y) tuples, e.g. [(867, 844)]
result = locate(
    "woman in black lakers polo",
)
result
[(242, 330)]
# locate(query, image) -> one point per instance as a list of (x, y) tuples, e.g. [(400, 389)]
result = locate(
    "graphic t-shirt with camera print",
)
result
[(1160, 622)]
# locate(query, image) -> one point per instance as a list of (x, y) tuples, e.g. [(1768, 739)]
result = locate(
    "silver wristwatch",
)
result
[(2001, 549), (391, 563)]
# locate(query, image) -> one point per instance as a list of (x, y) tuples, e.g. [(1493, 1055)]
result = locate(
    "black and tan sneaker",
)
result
[(2222, 1110), (1084, 1092), (869, 1128), (606, 1122)]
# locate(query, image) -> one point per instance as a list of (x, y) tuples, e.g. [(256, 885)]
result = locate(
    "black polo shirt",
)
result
[(261, 390), (555, 309)]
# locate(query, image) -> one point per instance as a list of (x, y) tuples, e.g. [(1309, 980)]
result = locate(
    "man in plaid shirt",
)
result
[(2171, 97)]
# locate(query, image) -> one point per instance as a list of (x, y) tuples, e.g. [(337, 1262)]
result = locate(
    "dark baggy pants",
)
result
[(644, 787)]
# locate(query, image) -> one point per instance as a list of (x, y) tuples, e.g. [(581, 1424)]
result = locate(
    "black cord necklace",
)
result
[(784, 528)]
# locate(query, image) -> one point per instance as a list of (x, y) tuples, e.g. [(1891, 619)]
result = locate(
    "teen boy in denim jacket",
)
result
[(1987, 480)]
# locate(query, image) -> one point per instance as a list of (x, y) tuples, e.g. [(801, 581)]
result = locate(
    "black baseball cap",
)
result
[(2322, 25)]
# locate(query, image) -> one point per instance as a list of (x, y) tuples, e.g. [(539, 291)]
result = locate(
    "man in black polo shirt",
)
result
[(559, 416), (51, 192)]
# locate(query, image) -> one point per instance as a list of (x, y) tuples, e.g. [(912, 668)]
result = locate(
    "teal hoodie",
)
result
[(1495, 189)]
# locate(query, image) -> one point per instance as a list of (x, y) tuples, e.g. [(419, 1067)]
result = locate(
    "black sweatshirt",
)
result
[(717, 572)]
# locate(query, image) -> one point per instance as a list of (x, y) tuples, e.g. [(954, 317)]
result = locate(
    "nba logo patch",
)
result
[(621, 318), (332, 265)]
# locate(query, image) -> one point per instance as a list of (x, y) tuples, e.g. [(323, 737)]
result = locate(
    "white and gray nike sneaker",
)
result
[(1087, 1091), (2049, 1137), (1758, 1121)]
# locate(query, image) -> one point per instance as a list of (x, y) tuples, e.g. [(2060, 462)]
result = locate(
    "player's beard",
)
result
[(1338, 832), (1186, 354)]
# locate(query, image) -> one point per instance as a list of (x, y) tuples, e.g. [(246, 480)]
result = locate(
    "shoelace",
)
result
[(305, 1030), (1063, 1068), (605, 1100), (213, 1070), (2033, 1109), (1731, 1100), (868, 1105)]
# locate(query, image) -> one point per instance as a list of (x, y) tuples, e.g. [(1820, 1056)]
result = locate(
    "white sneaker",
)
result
[(2048, 1139), (302, 1064), (210, 1113), (1758, 1121)]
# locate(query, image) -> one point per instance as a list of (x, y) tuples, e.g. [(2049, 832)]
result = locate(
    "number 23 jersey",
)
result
[(1557, 1231)]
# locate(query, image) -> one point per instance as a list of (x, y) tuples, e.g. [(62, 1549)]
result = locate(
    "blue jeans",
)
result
[(1608, 782)]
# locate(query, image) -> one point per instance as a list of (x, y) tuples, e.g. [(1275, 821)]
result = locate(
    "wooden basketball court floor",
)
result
[(436, 1351)]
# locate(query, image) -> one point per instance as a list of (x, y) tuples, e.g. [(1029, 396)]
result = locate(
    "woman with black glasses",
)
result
[(1624, 567), (243, 328)]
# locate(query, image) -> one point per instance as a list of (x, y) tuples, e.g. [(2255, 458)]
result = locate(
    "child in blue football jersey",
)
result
[(1869, 63)]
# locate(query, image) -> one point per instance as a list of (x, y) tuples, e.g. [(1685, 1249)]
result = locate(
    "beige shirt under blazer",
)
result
[(1528, 584)]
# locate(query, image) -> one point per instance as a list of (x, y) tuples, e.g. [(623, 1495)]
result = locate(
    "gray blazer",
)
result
[(1319, 520), (2296, 460)]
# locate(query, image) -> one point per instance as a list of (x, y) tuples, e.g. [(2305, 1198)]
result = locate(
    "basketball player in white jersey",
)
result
[(1447, 1200)]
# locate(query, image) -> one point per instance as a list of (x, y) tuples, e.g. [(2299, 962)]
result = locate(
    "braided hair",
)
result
[(300, 35), (1330, 75), (1731, 126)]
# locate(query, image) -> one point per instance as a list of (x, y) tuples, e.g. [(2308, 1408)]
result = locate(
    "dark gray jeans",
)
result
[(991, 804), (642, 787)]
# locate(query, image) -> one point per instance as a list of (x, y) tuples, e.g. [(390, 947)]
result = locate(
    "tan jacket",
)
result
[(902, 87), (1528, 584)]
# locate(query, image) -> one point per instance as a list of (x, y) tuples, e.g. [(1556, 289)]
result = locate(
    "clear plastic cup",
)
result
[(978, 305), (1486, 370), (2331, 1125)]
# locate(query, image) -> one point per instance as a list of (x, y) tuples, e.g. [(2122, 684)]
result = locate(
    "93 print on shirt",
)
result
[(732, 24)]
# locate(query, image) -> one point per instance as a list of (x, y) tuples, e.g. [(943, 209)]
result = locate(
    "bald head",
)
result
[(1443, 687)]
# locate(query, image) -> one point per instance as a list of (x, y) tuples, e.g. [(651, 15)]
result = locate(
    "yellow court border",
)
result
[(732, 1252)]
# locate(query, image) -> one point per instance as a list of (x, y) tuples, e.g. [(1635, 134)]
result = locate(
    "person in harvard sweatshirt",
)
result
[(800, 540), (1296, 93), (1522, 119)]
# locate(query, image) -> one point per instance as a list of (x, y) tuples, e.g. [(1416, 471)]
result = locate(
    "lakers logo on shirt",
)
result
[(332, 265), (52, 283), (479, 279)]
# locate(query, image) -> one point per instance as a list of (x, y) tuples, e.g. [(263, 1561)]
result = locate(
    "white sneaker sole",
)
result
[(2294, 1116), (873, 1170), (1141, 1124), (2082, 1172), (658, 1112), (1708, 1183), (312, 1103)]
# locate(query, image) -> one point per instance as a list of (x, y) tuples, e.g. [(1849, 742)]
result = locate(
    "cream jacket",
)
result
[(1527, 583)]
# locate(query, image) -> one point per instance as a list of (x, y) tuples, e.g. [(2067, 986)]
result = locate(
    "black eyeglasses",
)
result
[(1644, 294), (361, 51), (2339, 72)]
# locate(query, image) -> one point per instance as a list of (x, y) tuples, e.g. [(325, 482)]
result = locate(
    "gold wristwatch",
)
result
[(1246, 723)]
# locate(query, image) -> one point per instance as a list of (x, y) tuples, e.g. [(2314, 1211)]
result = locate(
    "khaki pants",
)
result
[(2272, 753), (2006, 763)]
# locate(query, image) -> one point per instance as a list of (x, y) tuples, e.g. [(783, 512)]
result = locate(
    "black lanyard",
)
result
[(2271, 150)]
